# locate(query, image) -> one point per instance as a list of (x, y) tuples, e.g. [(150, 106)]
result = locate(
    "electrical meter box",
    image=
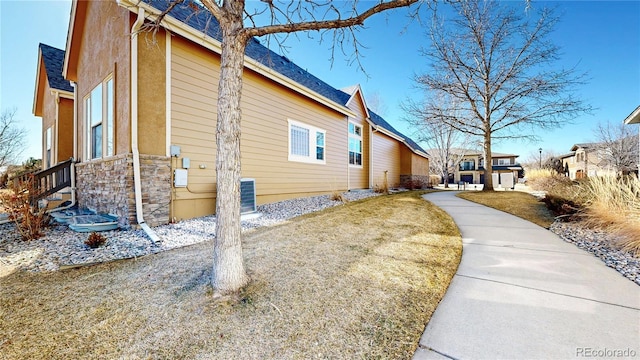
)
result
[(180, 178)]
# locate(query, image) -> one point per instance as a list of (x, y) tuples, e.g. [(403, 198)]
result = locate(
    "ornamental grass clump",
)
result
[(613, 203)]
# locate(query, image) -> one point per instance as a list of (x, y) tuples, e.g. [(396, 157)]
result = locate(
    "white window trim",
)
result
[(354, 136), (106, 135), (503, 162), (311, 159)]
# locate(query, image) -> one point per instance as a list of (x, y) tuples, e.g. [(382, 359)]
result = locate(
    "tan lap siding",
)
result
[(194, 83), (266, 109), (386, 157), (359, 175)]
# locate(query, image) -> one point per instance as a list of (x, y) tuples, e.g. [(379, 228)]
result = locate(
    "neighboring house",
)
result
[(569, 164), (585, 160), (468, 166), (634, 118), (145, 110), (53, 101)]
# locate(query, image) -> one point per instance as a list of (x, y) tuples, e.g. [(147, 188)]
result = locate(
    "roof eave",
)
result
[(37, 111), (358, 90), (634, 117), (172, 24), (396, 137)]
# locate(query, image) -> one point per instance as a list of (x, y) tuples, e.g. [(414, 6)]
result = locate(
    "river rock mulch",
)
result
[(602, 245), (62, 247)]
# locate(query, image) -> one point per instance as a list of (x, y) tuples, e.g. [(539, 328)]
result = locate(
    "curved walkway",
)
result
[(521, 292)]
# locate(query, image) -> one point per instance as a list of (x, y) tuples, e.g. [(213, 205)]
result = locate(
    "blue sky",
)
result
[(600, 37)]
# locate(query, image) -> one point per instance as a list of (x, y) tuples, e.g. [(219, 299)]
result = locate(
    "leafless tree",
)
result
[(376, 103), (496, 60), (617, 147), (239, 22), (447, 145), (11, 138)]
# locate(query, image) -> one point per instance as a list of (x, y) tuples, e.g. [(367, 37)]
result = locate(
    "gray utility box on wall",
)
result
[(247, 195)]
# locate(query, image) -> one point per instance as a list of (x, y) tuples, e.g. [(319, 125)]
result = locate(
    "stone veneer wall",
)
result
[(107, 186), (422, 179)]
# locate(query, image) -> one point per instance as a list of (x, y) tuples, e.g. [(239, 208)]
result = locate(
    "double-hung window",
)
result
[(98, 113), (306, 143), (355, 144), (504, 162)]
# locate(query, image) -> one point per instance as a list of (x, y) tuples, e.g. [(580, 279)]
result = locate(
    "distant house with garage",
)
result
[(468, 166), (138, 115)]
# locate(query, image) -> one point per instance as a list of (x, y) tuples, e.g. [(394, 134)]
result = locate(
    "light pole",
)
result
[(540, 150)]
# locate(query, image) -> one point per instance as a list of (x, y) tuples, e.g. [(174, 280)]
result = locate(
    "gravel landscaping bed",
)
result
[(62, 247), (599, 244)]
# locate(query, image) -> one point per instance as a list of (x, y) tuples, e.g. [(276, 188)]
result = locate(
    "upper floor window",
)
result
[(504, 161), (306, 143), (355, 144), (98, 113), (467, 165)]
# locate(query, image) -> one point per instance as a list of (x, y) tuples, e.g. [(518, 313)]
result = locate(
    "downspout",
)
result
[(75, 119), (134, 127)]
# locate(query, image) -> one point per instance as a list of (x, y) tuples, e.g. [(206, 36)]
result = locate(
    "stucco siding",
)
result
[(386, 157), (48, 121), (151, 93), (266, 111), (104, 51), (65, 129)]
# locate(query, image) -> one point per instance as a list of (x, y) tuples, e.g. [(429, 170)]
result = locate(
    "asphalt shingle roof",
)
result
[(203, 22), (53, 61)]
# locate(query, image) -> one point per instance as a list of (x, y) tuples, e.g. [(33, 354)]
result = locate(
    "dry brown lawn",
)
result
[(517, 203), (355, 281)]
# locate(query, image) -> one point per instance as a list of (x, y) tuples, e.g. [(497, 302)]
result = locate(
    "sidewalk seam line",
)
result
[(584, 253), (436, 351), (550, 292)]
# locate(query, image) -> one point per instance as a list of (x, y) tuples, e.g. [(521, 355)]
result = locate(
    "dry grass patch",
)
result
[(355, 281), (613, 204), (523, 205)]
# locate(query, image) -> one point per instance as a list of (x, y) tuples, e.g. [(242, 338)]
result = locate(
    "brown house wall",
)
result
[(65, 129), (48, 121), (386, 155), (266, 109), (104, 50), (359, 175), (152, 93)]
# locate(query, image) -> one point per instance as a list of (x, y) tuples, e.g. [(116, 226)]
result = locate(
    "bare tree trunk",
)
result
[(488, 164), (228, 267)]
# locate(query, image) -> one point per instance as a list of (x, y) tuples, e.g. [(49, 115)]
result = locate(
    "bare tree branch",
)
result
[(497, 62)]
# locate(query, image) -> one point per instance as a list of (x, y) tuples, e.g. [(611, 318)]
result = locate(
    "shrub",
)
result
[(381, 189), (561, 206), (95, 240), (30, 219), (337, 196), (414, 184)]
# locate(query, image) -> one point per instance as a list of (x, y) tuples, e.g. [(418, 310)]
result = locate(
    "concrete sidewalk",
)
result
[(521, 292)]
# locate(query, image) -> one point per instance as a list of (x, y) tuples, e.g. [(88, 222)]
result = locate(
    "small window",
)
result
[(504, 162), (303, 147), (99, 120), (355, 144), (48, 141)]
